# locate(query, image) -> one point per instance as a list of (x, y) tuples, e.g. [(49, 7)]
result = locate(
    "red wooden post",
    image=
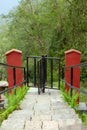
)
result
[(14, 57), (72, 57)]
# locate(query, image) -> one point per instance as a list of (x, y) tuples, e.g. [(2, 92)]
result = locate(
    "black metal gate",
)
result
[(42, 65)]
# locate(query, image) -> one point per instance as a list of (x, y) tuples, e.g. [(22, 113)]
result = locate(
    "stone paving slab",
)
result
[(50, 125), (47, 111), (33, 125), (15, 124), (42, 118), (72, 127)]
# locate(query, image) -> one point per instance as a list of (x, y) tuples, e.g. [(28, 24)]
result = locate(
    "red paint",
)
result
[(14, 57), (72, 57)]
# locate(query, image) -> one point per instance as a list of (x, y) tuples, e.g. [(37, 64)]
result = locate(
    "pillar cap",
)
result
[(72, 50), (13, 50)]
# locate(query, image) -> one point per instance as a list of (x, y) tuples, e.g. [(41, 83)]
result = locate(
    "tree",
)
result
[(48, 27)]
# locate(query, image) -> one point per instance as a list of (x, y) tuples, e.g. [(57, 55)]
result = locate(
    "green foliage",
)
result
[(13, 102), (72, 101), (46, 27), (16, 96), (84, 118)]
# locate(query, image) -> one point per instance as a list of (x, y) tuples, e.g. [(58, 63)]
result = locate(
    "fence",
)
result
[(82, 68), (43, 69), (15, 84)]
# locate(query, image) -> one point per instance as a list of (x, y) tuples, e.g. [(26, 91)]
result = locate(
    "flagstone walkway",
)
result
[(47, 111)]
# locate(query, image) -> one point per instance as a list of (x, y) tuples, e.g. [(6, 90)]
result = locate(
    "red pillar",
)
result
[(14, 57), (72, 57)]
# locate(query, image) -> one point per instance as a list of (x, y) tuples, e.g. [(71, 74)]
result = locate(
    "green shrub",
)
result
[(72, 101), (84, 118)]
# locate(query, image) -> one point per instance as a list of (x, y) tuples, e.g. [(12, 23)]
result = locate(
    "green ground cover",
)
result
[(72, 101), (13, 102)]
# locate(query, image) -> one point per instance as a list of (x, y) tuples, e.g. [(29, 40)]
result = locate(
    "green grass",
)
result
[(83, 97)]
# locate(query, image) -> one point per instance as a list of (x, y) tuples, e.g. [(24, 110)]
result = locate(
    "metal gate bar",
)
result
[(34, 72), (59, 74), (27, 71), (51, 61), (42, 74)]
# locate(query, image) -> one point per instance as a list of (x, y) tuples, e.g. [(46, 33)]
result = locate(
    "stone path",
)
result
[(47, 111)]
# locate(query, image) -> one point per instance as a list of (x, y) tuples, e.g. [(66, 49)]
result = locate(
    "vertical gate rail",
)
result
[(59, 75), (38, 73), (35, 71), (42, 74), (25, 75), (51, 61), (27, 78)]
